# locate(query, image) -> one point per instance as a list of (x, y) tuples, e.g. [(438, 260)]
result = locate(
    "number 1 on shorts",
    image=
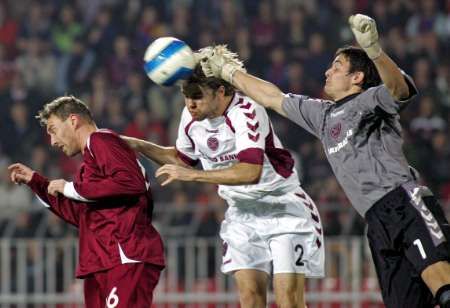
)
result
[(418, 243)]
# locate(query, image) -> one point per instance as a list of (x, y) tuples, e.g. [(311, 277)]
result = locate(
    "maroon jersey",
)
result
[(110, 203)]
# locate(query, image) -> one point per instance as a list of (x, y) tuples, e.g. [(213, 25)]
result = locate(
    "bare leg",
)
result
[(289, 290), (437, 275), (252, 286)]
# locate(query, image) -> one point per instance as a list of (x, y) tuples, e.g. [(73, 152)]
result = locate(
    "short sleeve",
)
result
[(251, 125), (305, 111), (380, 96)]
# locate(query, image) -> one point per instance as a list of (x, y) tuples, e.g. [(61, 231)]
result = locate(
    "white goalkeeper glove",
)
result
[(219, 62), (366, 34)]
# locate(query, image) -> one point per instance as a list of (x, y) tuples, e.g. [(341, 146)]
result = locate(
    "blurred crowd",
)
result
[(93, 49)]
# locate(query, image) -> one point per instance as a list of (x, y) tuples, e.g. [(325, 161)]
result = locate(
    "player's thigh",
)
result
[(399, 280), (289, 287), (298, 253), (426, 238), (131, 285), (251, 281), (243, 248)]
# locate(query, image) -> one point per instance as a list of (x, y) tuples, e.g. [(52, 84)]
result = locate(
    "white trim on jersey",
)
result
[(124, 259), (71, 193), (43, 202), (144, 174)]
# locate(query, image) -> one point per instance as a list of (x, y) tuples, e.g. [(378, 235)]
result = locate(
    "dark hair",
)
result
[(191, 88), (360, 62), (62, 107)]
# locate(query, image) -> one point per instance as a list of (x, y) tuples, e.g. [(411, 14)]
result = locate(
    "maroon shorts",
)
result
[(124, 286)]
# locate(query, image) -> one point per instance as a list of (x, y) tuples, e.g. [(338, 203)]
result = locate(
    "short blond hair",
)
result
[(62, 107)]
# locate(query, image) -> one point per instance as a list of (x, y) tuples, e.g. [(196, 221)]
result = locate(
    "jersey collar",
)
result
[(346, 99), (232, 101)]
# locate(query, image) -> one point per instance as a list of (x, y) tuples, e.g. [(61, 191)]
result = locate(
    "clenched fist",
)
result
[(366, 34)]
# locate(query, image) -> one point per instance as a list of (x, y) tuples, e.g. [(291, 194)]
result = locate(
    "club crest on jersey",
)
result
[(212, 143), (335, 131)]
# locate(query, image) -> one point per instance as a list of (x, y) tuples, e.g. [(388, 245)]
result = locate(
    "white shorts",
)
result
[(276, 234)]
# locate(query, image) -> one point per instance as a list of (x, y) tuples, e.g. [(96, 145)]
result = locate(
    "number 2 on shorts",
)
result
[(299, 261), (418, 243)]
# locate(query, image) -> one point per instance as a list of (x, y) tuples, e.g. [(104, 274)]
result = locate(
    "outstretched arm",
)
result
[(159, 154), (238, 174), (263, 92), (366, 34), (63, 207), (220, 62)]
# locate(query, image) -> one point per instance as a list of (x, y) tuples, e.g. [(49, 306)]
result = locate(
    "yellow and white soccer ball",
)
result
[(168, 60)]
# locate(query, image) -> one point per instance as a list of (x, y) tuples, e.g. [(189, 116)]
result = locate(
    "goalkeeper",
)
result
[(360, 131)]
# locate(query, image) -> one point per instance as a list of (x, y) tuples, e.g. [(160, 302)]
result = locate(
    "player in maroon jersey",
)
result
[(109, 201)]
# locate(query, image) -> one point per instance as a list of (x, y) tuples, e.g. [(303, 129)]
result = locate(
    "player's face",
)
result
[(202, 108), (338, 80), (62, 135)]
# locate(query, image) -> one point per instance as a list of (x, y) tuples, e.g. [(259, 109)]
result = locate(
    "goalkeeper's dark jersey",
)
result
[(361, 135)]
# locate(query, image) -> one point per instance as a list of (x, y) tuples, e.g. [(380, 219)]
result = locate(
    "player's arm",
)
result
[(157, 153), (392, 77), (261, 91), (63, 207), (115, 172), (238, 174), (366, 34), (220, 62)]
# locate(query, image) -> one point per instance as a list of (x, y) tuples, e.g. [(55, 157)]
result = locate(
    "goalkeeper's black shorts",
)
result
[(407, 233)]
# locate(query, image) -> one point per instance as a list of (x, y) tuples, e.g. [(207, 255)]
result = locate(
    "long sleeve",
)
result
[(110, 169), (63, 207)]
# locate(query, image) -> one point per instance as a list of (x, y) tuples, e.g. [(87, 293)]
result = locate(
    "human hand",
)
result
[(56, 186), (365, 30), (20, 174), (169, 173), (219, 62)]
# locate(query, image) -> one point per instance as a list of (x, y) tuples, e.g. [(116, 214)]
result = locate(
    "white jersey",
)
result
[(243, 134)]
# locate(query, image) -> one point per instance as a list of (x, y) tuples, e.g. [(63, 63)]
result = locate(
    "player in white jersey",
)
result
[(271, 225)]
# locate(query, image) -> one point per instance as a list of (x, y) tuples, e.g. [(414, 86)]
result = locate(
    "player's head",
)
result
[(351, 71), (206, 97), (62, 117)]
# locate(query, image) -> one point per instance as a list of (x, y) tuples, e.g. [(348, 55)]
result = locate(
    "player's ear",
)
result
[(221, 91), (74, 120), (357, 78)]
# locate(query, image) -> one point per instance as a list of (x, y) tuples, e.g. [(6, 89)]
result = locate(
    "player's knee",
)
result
[(443, 296), (252, 297), (289, 300)]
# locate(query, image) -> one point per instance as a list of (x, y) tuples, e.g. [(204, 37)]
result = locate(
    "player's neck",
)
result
[(224, 104), (83, 134)]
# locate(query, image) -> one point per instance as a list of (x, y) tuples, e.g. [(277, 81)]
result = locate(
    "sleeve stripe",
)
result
[(251, 156), (71, 193)]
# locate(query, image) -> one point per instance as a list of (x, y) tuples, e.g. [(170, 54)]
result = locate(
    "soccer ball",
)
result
[(167, 60)]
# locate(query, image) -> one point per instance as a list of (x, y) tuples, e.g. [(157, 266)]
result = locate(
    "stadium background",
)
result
[(93, 49)]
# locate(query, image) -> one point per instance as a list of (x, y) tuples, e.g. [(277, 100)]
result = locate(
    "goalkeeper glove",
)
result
[(366, 34), (219, 62)]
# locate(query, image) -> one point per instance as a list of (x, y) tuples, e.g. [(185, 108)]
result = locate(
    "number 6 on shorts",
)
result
[(112, 300)]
